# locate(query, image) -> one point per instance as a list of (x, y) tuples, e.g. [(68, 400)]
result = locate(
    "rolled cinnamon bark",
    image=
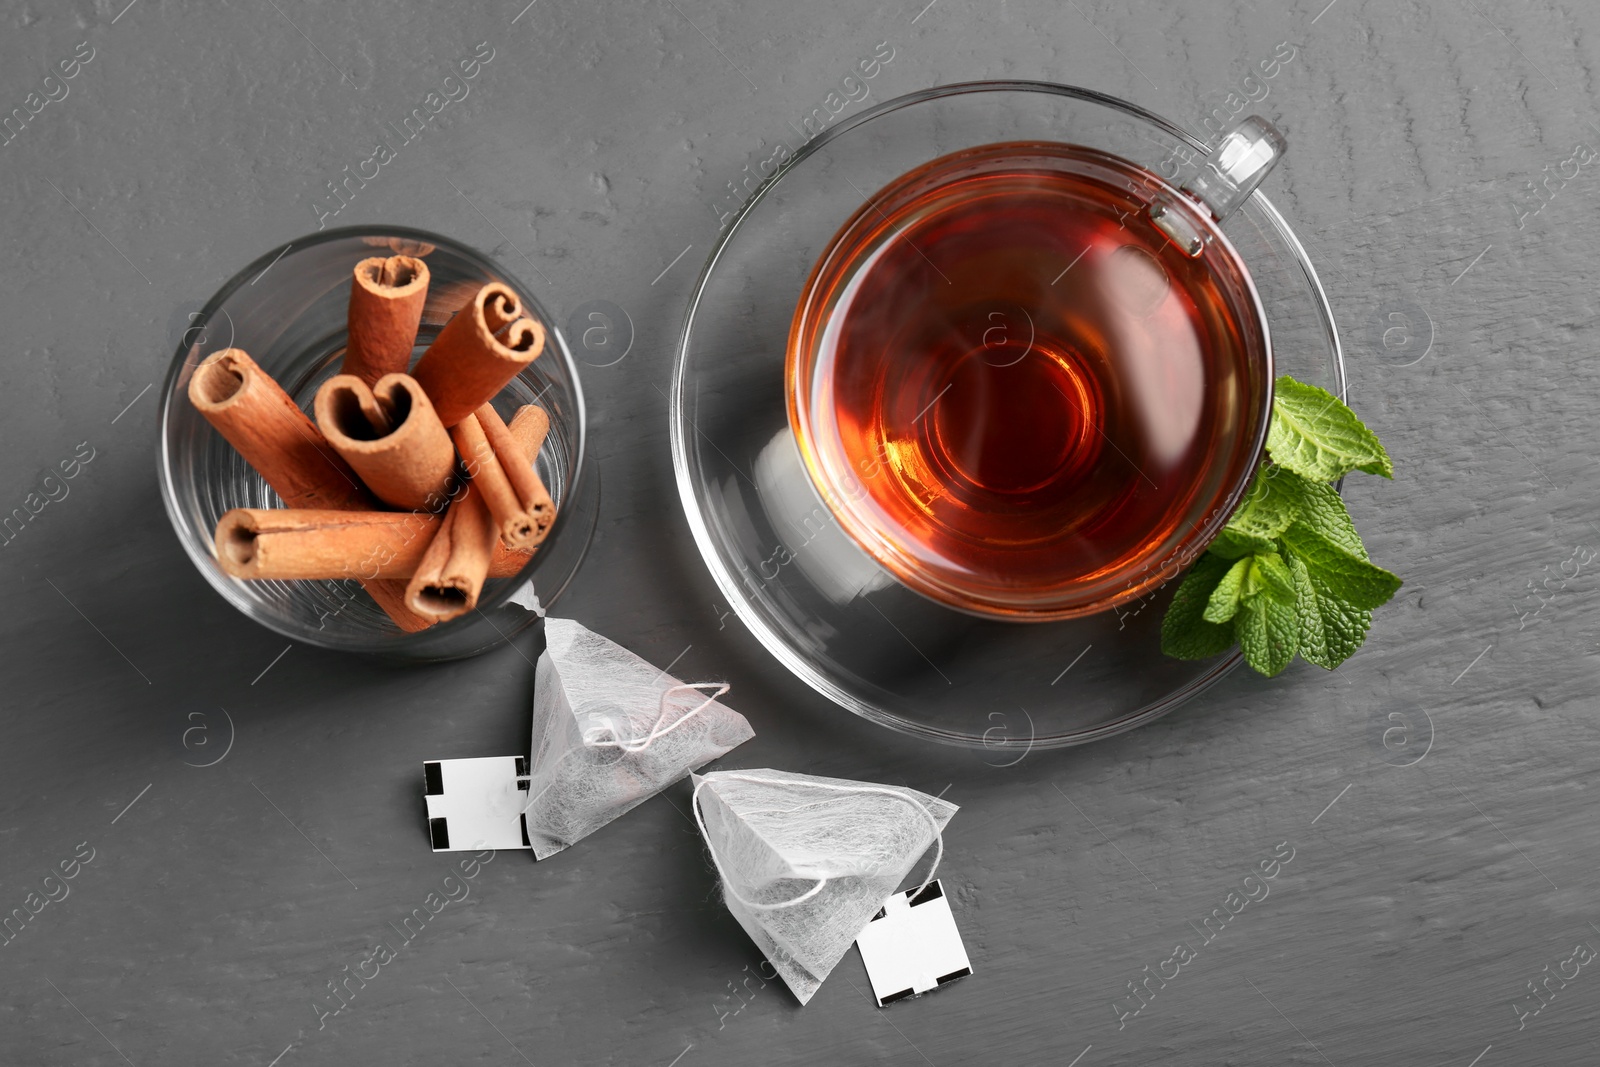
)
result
[(386, 299), (511, 520), (261, 421), (518, 466), (390, 595), (478, 352), (501, 307), (529, 427), (390, 435), (266, 426), (506, 562), (315, 543), (467, 547), (452, 571), (297, 543)]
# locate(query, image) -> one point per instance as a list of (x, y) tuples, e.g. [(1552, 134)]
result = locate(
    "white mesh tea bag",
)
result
[(609, 732), (806, 862)]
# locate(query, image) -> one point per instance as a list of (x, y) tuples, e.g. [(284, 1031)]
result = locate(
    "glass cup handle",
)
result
[(1238, 164), (1227, 177)]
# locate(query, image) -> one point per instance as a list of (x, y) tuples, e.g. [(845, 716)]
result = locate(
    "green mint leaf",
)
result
[(1344, 629), (1185, 634), (1338, 573), (1330, 629), (1267, 510), (1269, 633), (1313, 635), (1270, 575), (1313, 434), (1321, 509), (1231, 544), (1224, 600)]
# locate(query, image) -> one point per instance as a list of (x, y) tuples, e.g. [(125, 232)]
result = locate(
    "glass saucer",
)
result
[(825, 609)]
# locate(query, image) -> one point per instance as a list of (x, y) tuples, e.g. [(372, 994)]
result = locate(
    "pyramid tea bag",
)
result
[(609, 732), (806, 862)]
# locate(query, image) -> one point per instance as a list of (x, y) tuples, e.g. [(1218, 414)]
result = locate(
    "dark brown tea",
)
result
[(1017, 392)]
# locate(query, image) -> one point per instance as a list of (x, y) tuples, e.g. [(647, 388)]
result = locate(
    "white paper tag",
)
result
[(474, 804), (912, 945)]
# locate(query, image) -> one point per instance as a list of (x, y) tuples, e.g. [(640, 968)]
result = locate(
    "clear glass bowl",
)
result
[(288, 311), (829, 612)]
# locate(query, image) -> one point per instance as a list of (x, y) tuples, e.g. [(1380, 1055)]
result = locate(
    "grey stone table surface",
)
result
[(1441, 897)]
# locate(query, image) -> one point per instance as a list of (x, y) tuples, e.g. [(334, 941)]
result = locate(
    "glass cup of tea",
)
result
[(1032, 380)]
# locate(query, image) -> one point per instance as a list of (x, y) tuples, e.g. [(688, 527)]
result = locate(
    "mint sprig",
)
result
[(1288, 574)]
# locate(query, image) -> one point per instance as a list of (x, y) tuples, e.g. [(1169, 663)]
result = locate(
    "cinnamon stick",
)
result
[(450, 577), (477, 352), (501, 307), (530, 491), (295, 543), (390, 435), (452, 571), (512, 521), (317, 543), (529, 427), (266, 426), (390, 595), (386, 299)]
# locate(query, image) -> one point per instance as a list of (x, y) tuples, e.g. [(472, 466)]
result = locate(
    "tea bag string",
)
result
[(694, 802), (638, 744)]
